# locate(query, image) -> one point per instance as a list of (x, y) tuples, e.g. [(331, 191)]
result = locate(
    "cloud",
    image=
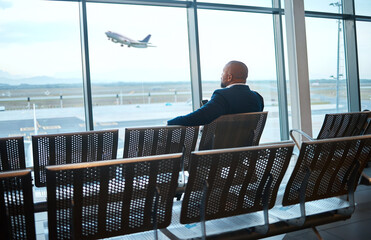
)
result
[(5, 4)]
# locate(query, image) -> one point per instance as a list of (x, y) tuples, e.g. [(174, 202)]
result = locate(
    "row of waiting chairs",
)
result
[(140, 134), (230, 192), (59, 149)]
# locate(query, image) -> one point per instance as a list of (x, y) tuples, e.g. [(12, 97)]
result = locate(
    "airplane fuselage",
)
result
[(123, 40)]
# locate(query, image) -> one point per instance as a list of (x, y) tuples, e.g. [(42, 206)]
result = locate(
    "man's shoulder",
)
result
[(237, 91), (232, 89)]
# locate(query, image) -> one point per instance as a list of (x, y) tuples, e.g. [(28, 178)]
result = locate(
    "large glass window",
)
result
[(362, 7), (364, 61), (135, 83), (327, 76), (332, 6), (259, 3), (247, 37), (40, 69)]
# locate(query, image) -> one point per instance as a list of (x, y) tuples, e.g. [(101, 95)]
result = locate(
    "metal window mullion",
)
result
[(351, 59), (194, 55), (160, 3), (298, 66), (88, 106), (363, 18), (238, 8), (280, 72)]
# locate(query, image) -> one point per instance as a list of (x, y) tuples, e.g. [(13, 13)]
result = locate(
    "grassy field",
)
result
[(57, 96)]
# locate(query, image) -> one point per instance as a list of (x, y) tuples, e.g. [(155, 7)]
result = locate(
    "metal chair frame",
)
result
[(65, 148), (150, 141), (12, 154), (337, 125), (111, 198), (233, 130), (230, 182), (17, 219)]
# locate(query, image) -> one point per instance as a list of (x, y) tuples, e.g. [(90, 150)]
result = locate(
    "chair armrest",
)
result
[(274, 143), (300, 132)]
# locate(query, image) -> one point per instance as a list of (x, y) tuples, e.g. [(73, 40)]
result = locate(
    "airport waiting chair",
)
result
[(366, 179), (65, 148), (222, 194), (12, 154), (149, 141), (16, 205), (325, 171), (111, 198), (233, 130), (338, 125), (320, 190)]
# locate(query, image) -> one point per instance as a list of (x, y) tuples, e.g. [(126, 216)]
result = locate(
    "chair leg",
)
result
[(154, 214), (178, 196), (203, 210), (317, 233)]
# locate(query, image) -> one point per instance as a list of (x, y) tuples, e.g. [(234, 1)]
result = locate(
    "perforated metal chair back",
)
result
[(150, 141), (330, 163), (234, 130), (368, 129), (16, 205), (12, 154), (236, 179), (111, 198), (343, 125), (65, 148)]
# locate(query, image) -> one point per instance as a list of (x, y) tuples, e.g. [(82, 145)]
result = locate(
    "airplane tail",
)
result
[(146, 39)]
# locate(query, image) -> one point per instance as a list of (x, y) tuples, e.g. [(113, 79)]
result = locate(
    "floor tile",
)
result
[(359, 230)]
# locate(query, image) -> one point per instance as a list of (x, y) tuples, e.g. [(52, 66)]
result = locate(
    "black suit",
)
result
[(231, 100)]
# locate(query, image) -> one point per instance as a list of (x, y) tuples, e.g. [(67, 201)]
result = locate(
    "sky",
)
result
[(42, 38)]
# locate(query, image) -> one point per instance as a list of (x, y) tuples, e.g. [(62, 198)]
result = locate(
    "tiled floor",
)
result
[(357, 227)]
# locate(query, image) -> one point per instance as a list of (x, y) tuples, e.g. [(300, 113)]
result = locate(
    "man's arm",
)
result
[(213, 109), (262, 100)]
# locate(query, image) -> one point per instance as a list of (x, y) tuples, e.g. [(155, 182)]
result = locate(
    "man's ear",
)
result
[(230, 77)]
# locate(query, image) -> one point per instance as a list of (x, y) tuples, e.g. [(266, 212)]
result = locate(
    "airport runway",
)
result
[(62, 120), (68, 124)]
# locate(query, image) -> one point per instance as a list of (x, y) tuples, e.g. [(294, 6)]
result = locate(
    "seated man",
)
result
[(234, 97)]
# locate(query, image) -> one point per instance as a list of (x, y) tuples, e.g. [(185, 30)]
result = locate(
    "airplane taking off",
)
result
[(118, 38)]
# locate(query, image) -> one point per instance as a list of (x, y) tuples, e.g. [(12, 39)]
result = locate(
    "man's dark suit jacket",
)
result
[(231, 100)]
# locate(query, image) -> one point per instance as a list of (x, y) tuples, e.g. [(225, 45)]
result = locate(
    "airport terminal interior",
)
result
[(116, 67)]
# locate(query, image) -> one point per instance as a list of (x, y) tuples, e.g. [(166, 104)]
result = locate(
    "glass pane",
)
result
[(134, 86), (333, 6), (246, 37), (257, 3), (40, 69), (287, 75), (327, 76), (362, 7), (364, 61)]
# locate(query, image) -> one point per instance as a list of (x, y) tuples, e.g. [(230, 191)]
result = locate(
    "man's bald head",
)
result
[(238, 70), (234, 72)]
